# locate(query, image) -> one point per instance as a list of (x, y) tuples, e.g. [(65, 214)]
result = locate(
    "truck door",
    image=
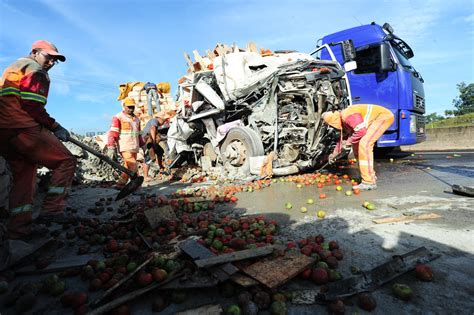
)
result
[(369, 85)]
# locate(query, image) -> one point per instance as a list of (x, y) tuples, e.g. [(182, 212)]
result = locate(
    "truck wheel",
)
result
[(239, 145)]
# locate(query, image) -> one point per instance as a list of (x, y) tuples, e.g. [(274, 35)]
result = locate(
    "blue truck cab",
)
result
[(382, 75)]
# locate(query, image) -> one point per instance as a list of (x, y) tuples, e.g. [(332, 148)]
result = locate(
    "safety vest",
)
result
[(369, 113), (129, 133), (17, 85)]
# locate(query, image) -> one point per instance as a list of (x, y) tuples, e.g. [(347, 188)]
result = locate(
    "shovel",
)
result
[(135, 180)]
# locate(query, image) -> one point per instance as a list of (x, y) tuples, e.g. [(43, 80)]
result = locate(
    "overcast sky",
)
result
[(108, 42)]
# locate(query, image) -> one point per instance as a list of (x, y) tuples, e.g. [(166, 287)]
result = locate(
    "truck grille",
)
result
[(420, 126), (419, 103)]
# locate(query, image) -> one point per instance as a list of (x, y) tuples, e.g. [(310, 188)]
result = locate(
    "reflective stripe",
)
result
[(33, 97), (56, 190), (114, 129), (367, 115), (129, 133), (361, 162), (21, 209), (9, 91), (359, 126)]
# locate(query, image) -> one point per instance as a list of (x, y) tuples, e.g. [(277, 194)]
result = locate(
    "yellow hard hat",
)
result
[(129, 102)]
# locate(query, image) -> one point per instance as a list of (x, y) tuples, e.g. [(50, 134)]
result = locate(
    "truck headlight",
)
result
[(412, 124)]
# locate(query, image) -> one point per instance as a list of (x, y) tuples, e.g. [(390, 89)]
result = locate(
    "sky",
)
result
[(109, 42)]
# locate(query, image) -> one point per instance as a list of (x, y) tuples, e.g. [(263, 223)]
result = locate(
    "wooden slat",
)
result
[(427, 216), (210, 55), (189, 61), (60, 265), (235, 256), (197, 251), (273, 272), (214, 309), (220, 50), (252, 47), (122, 281), (243, 280), (199, 59)]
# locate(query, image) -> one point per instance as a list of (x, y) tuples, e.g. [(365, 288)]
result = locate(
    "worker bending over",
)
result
[(29, 137), (124, 136), (361, 126), (154, 136)]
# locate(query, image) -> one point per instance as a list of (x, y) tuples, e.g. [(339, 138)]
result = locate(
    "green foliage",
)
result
[(464, 103), (433, 117), (457, 121)]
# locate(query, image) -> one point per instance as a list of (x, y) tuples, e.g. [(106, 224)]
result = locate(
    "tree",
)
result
[(464, 103)]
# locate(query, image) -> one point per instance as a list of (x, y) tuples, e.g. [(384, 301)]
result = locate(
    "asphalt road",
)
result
[(410, 184)]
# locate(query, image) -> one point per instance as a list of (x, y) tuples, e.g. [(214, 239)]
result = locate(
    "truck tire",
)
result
[(239, 145)]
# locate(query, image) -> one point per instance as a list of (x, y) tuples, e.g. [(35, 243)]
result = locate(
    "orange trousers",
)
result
[(25, 149), (364, 150), (130, 162)]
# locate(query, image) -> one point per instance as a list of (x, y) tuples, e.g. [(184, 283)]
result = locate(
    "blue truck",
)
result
[(381, 74)]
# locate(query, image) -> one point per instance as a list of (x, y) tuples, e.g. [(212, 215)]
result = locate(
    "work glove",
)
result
[(112, 153), (346, 146), (61, 133), (332, 158)]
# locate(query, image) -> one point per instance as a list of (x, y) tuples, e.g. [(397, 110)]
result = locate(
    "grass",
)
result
[(458, 121)]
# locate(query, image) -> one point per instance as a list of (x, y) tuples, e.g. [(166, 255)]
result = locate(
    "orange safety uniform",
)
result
[(26, 141), (362, 125), (125, 133)]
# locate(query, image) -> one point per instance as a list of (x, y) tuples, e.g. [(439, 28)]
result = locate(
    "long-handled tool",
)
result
[(135, 180), (335, 159)]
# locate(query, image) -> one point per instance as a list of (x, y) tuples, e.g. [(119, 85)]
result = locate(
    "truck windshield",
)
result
[(402, 59)]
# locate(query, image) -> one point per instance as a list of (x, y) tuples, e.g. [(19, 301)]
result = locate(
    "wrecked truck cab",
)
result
[(250, 105)]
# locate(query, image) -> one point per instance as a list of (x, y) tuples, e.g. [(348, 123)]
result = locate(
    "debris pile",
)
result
[(135, 90), (90, 168), (235, 105)]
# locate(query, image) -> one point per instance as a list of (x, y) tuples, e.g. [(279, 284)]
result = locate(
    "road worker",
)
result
[(154, 134), (152, 95), (29, 137), (361, 126), (124, 137)]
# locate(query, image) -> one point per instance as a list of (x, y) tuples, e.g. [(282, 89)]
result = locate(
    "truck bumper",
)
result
[(411, 130)]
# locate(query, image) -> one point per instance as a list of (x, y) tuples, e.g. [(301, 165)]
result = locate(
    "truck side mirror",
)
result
[(386, 62), (348, 50)]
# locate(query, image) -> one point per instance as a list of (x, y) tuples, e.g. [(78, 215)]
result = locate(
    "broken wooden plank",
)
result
[(243, 280), (372, 279), (426, 216), (463, 190), (196, 251), (192, 281), (123, 280), (189, 62), (211, 55), (211, 309), (59, 265), (273, 272), (132, 295), (143, 238), (235, 256), (219, 50), (156, 215), (252, 47), (199, 59)]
